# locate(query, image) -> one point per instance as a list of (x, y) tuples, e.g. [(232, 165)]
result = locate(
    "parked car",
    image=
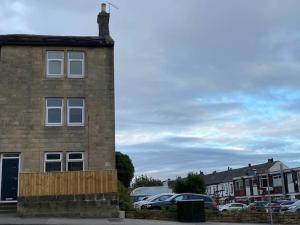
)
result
[(258, 205), (160, 197), (232, 206), (275, 205), (209, 203), (295, 207), (285, 205)]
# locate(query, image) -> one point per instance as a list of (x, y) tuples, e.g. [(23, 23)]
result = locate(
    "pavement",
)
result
[(11, 219)]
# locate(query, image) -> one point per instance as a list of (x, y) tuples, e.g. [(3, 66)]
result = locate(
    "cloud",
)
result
[(200, 85)]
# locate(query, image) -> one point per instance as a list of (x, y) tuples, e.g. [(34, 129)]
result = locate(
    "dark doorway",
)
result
[(9, 179)]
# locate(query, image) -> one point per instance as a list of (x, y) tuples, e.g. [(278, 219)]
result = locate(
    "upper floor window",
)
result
[(74, 161), (55, 64), (53, 162), (75, 64), (277, 181), (75, 112), (54, 112), (239, 185), (264, 181)]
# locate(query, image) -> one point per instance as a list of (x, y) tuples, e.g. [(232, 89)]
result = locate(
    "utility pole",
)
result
[(270, 207)]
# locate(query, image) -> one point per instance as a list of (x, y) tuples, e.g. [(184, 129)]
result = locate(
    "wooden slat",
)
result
[(67, 183)]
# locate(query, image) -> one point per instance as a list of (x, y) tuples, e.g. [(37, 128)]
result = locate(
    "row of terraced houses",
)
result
[(254, 183)]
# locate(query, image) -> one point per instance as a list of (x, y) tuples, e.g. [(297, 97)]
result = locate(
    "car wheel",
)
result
[(224, 210)]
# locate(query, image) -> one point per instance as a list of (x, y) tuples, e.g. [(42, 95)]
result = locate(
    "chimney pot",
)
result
[(249, 164), (103, 7)]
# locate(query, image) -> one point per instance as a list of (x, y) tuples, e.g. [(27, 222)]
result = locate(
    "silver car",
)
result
[(295, 207)]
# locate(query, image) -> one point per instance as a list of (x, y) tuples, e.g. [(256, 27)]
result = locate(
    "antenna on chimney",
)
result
[(110, 4)]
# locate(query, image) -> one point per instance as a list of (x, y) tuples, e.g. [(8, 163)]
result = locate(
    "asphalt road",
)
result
[(10, 219)]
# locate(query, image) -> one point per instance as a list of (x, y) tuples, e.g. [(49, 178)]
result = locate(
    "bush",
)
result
[(125, 202)]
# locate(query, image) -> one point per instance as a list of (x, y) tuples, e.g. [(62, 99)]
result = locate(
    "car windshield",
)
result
[(297, 203), (161, 198)]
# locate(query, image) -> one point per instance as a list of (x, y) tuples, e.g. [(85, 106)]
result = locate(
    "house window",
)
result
[(277, 181), (53, 162), (55, 64), (75, 64), (54, 112), (75, 112), (264, 181), (290, 178), (75, 161), (239, 185)]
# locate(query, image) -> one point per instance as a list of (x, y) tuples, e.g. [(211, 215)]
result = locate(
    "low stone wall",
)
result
[(93, 205), (229, 217)]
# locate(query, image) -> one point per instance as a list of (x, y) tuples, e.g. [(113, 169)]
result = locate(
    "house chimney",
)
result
[(103, 22), (270, 160), (249, 164)]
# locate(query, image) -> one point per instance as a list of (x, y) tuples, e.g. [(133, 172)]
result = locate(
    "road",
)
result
[(11, 219)]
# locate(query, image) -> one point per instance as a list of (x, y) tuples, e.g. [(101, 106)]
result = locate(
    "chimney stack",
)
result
[(270, 160), (103, 22), (249, 164)]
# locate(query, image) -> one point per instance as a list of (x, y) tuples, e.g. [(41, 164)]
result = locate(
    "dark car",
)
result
[(276, 205), (209, 203), (258, 205)]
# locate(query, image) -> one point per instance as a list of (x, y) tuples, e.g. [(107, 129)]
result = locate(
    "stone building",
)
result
[(57, 122)]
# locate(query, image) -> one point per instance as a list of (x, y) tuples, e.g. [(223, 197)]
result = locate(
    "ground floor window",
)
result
[(53, 162), (75, 161)]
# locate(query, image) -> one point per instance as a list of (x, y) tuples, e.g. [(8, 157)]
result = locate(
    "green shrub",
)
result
[(125, 202)]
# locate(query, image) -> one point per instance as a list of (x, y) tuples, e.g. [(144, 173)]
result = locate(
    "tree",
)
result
[(145, 181), (193, 183), (125, 168)]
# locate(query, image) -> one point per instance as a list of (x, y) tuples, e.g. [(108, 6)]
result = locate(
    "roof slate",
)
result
[(49, 40), (228, 175)]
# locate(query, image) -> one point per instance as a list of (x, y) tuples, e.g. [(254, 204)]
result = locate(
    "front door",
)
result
[(9, 178)]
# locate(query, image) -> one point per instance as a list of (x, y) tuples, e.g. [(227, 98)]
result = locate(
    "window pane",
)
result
[(53, 166), (75, 166), (75, 55), (54, 115), (55, 67), (54, 102), (53, 156), (75, 156), (76, 67), (55, 55), (75, 102), (75, 116)]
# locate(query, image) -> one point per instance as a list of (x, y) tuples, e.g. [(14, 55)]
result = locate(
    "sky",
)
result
[(200, 85)]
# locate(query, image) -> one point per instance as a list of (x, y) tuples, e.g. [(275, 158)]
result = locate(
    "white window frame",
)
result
[(53, 160), (76, 107), (55, 107), (74, 160), (263, 177), (79, 60), (48, 75)]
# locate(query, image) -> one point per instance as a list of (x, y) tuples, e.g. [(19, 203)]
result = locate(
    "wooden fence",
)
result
[(67, 183)]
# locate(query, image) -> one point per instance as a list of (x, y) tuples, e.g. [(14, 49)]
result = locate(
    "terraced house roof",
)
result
[(228, 175)]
